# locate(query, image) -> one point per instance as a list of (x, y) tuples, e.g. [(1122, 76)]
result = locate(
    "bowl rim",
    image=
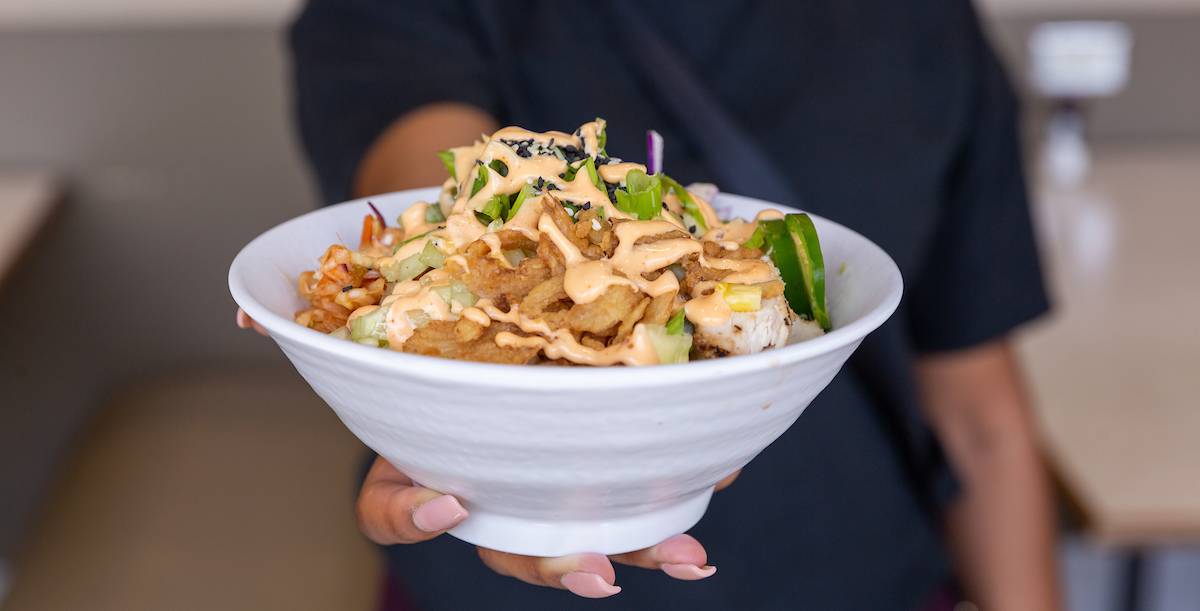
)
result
[(439, 369)]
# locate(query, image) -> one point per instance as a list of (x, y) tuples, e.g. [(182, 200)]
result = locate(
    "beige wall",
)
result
[(125, 13), (1005, 8), (176, 149)]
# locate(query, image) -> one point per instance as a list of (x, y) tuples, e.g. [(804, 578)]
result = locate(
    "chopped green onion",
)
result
[(690, 208), (757, 239), (602, 136), (447, 157), (500, 167), (416, 237), (483, 218), (431, 256), (433, 214), (675, 324), (642, 195), (496, 207), (569, 174), (525, 193), (481, 178), (590, 165), (670, 348)]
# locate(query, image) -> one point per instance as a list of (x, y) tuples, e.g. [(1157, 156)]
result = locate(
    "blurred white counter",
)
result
[(1116, 370)]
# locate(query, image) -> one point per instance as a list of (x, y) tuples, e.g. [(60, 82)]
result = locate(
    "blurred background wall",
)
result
[(166, 127)]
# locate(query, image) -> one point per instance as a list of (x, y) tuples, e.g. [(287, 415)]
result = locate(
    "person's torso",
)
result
[(862, 107)]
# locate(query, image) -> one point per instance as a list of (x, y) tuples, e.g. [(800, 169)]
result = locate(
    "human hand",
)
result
[(245, 322), (392, 509)]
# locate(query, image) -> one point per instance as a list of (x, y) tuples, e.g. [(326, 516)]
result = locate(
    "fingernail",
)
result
[(243, 320), (688, 572), (439, 514), (588, 585)]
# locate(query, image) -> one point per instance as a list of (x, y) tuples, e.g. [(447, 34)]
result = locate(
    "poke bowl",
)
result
[(557, 460)]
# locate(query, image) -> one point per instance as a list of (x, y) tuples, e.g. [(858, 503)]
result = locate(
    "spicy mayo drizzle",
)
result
[(585, 279)]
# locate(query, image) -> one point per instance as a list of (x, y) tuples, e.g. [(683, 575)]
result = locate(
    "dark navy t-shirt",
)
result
[(893, 118)]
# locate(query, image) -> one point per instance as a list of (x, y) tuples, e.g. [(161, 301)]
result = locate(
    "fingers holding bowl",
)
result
[(586, 575), (391, 509), (245, 322), (681, 557), (728, 480)]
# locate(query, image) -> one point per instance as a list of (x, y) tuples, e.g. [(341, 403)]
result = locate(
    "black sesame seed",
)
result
[(612, 191), (572, 153), (692, 229), (346, 289)]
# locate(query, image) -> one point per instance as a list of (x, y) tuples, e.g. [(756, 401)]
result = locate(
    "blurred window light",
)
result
[(1080, 59)]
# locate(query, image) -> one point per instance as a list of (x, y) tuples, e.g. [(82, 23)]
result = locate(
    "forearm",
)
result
[(1002, 528), (404, 156)]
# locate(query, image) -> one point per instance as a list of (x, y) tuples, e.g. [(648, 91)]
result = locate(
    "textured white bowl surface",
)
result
[(557, 460)]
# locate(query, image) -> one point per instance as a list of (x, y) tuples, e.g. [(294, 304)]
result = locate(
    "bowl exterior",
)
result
[(540, 457), (556, 460)]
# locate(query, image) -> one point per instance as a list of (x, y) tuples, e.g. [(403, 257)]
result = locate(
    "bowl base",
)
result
[(528, 537)]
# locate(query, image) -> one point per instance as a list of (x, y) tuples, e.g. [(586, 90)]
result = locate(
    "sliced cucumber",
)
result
[(670, 348), (404, 269), (370, 327)]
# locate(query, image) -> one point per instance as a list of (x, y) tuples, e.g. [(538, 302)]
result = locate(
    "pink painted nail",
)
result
[(588, 585), (439, 514), (688, 572), (243, 320)]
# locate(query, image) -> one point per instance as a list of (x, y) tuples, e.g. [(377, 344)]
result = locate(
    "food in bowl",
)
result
[(543, 249), (559, 460)]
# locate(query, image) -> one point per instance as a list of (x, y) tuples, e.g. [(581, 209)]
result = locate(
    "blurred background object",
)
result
[(144, 142), (1071, 63)]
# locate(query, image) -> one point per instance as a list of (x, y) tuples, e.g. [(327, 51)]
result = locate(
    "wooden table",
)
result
[(1116, 370), (27, 199)]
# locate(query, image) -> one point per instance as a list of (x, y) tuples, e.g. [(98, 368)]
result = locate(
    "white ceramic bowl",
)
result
[(555, 460)]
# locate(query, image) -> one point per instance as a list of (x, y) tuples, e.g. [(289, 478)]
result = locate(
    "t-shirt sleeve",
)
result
[(981, 277), (358, 65)]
